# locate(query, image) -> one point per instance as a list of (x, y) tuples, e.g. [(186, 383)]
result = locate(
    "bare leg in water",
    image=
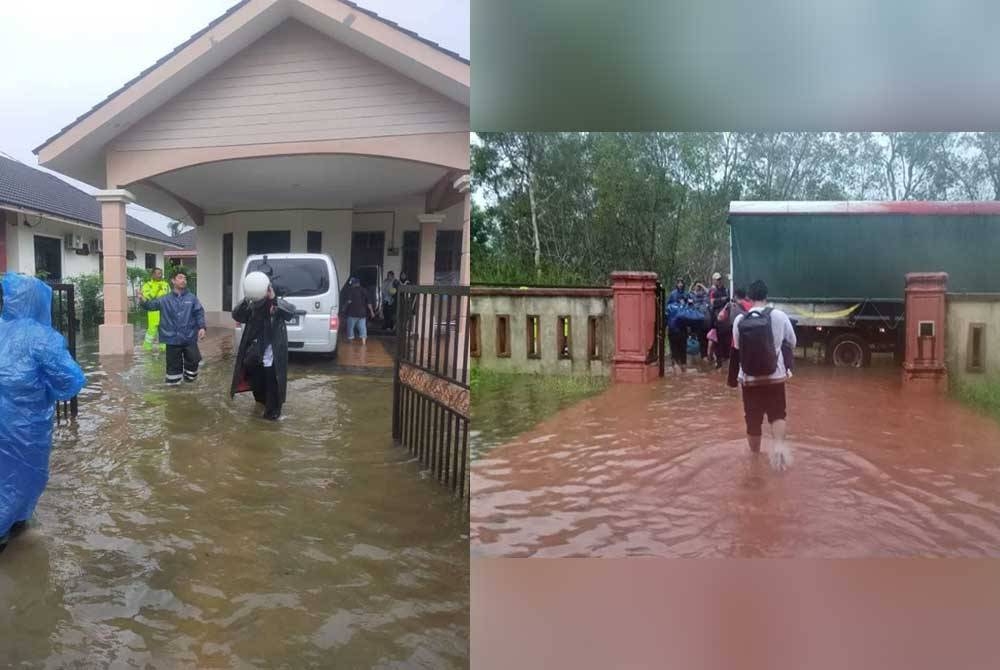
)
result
[(781, 455)]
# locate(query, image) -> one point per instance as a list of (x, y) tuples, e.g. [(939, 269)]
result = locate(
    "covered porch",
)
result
[(284, 126), (396, 214)]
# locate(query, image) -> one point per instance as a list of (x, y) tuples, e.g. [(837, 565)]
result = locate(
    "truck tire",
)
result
[(849, 350)]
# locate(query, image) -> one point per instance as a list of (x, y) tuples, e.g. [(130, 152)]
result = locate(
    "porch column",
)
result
[(428, 247), (462, 186), (116, 333)]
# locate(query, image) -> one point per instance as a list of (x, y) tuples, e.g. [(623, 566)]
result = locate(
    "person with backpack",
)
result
[(758, 365), (742, 303), (679, 294), (700, 301), (718, 297)]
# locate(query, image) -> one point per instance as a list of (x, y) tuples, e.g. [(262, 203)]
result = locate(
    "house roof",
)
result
[(186, 239), (30, 188), (232, 10)]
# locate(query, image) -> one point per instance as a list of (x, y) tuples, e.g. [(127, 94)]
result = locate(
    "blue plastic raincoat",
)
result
[(36, 370)]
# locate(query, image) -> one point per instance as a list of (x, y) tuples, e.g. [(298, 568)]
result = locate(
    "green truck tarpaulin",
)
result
[(809, 256)]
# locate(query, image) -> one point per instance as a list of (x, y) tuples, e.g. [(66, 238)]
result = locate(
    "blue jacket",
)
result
[(678, 295), (181, 317), (36, 370)]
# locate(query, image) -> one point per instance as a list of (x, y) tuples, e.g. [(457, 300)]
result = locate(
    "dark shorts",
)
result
[(768, 399)]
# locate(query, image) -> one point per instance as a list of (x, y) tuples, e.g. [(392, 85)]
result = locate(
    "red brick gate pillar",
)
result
[(924, 367), (635, 315)]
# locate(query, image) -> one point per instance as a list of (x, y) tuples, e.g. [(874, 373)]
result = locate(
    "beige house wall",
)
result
[(295, 84), (13, 251), (962, 312), (336, 226)]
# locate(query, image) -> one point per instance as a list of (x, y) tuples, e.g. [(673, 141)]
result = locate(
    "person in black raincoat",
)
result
[(262, 358)]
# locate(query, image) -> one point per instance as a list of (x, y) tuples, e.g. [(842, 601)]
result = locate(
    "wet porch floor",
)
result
[(180, 531), (663, 470)]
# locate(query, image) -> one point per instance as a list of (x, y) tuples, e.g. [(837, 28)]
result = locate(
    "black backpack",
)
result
[(758, 357)]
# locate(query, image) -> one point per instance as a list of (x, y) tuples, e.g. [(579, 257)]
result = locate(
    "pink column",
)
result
[(635, 314), (115, 335), (926, 314), (428, 246)]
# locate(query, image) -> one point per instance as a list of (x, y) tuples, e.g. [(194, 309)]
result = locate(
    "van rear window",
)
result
[(294, 277)]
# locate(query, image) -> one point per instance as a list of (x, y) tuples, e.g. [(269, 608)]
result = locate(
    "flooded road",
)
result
[(178, 531), (663, 470), (505, 405)]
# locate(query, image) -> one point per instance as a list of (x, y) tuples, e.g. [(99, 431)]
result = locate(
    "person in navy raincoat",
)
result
[(36, 371), (182, 325)]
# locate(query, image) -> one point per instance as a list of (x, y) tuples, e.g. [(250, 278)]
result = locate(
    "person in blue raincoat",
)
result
[(679, 294), (36, 371), (677, 331)]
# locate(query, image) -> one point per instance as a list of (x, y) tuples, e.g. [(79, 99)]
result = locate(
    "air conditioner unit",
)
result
[(74, 241), (97, 245)]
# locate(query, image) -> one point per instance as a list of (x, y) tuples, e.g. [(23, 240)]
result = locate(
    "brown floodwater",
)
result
[(178, 531), (663, 470)]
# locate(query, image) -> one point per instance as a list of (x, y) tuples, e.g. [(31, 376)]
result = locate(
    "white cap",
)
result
[(717, 276), (255, 285)]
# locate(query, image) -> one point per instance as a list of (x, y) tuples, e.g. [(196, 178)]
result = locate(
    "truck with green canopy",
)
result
[(838, 268)]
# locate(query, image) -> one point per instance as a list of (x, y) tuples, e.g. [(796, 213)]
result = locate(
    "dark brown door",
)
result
[(227, 272), (448, 257), (411, 255), (367, 248), (314, 242)]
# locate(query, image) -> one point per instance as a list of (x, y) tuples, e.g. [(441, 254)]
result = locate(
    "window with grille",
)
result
[(594, 338), (503, 336), (534, 339), (564, 342), (976, 360)]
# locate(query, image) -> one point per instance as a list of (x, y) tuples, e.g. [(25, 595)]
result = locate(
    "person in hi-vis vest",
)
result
[(156, 287)]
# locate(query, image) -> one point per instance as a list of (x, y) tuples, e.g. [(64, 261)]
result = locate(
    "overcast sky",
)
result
[(61, 57)]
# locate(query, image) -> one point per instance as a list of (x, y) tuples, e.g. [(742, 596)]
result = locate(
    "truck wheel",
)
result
[(849, 351)]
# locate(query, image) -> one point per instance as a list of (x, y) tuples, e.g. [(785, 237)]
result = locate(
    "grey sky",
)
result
[(64, 56)]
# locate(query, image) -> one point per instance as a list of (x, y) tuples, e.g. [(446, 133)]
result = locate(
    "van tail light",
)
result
[(334, 321)]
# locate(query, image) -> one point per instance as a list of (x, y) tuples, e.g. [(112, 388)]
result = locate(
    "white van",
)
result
[(310, 283)]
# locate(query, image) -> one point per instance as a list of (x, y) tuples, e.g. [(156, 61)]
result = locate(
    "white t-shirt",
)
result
[(781, 327)]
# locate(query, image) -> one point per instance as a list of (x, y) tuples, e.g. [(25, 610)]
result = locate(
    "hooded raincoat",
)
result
[(268, 325), (151, 290), (36, 370)]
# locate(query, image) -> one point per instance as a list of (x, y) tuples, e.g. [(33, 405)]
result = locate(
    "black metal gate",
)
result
[(63, 320), (430, 414), (659, 350)]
